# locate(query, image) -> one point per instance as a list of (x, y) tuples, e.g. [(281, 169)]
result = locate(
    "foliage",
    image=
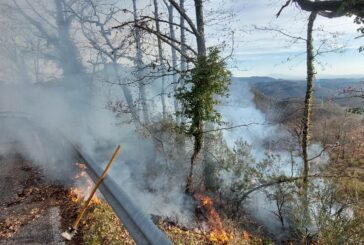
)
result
[(356, 110), (208, 79), (238, 171), (360, 21), (337, 220), (282, 195)]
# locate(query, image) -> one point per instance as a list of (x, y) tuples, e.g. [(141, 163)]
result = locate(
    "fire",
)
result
[(246, 236), (85, 184), (76, 194), (217, 231)]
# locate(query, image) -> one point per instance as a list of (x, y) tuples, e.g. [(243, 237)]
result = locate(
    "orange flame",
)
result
[(246, 236), (217, 231), (78, 194)]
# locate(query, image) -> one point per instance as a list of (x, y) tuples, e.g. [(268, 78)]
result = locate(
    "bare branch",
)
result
[(323, 150), (284, 179), (283, 7), (165, 21), (169, 41), (235, 126), (280, 32), (182, 12)]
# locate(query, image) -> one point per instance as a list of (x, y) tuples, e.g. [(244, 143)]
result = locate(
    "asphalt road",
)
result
[(29, 213)]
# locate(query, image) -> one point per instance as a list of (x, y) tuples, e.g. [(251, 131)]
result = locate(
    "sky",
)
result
[(268, 53)]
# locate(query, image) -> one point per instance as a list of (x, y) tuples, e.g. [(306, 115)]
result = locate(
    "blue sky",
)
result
[(260, 53)]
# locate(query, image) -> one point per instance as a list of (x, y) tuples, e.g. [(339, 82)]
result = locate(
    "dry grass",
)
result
[(101, 226)]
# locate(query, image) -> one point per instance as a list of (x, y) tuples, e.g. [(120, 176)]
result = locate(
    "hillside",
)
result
[(324, 89)]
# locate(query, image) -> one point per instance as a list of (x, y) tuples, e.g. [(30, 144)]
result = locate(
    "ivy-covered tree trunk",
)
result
[(307, 113), (197, 145), (197, 118), (306, 120)]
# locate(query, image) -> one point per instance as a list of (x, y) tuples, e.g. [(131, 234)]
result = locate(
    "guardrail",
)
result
[(140, 227)]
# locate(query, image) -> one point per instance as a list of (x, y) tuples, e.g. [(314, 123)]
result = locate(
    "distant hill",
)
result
[(324, 89)]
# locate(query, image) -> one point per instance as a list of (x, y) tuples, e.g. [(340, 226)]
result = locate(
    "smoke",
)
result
[(266, 139), (44, 107)]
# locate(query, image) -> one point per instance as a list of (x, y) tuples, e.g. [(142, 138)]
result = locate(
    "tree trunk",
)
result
[(183, 65), (306, 121), (198, 142), (67, 50), (160, 55), (201, 43), (174, 57), (139, 65), (198, 135), (183, 39), (307, 113), (128, 96)]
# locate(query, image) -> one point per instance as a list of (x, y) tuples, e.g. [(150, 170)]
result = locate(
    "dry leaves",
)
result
[(11, 225)]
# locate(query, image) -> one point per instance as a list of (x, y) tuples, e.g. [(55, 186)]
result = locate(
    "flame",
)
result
[(85, 185), (217, 231), (246, 236)]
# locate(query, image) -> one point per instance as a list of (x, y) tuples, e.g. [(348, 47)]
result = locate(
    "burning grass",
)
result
[(83, 187), (183, 236), (100, 225)]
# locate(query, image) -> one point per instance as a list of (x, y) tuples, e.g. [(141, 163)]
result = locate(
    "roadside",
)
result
[(31, 208)]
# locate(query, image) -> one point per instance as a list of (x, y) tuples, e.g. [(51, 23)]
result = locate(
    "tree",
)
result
[(96, 26), (160, 57), (307, 112), (174, 53), (202, 83), (330, 8), (140, 67), (55, 32)]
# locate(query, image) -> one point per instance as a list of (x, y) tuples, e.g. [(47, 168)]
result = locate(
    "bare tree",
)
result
[(55, 32), (161, 58), (139, 65), (96, 26), (174, 54)]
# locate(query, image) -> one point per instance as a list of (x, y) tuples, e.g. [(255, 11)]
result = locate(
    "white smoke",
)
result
[(263, 136)]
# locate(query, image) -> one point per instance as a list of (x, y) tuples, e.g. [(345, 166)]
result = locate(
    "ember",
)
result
[(207, 210)]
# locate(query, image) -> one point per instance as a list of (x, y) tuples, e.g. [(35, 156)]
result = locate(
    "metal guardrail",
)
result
[(140, 227)]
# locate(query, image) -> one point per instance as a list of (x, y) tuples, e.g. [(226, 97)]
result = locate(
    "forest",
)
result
[(240, 122)]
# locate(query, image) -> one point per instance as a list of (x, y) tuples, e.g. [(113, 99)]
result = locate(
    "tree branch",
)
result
[(284, 179), (182, 12)]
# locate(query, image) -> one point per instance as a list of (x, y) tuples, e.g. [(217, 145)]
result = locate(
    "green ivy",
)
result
[(208, 80)]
